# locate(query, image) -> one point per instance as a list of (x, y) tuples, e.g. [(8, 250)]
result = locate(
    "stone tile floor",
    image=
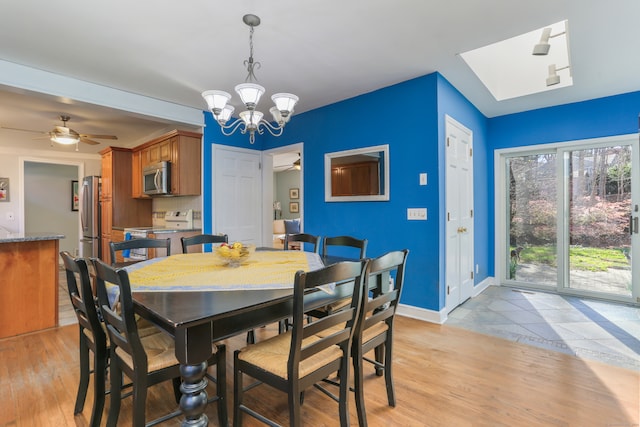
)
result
[(590, 329)]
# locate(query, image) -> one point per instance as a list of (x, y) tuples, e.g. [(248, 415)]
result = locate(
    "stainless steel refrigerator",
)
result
[(90, 216)]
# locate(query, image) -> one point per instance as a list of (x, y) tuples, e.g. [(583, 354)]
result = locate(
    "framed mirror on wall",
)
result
[(360, 174)]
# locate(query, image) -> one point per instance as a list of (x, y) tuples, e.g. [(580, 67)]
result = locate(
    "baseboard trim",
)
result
[(439, 317)]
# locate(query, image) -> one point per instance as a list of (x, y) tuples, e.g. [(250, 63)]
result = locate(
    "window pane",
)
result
[(532, 255)]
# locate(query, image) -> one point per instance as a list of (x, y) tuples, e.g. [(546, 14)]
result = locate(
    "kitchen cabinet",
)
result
[(118, 208), (183, 150)]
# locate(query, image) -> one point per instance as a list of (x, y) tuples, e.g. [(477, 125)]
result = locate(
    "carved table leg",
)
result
[(194, 395), (193, 349)]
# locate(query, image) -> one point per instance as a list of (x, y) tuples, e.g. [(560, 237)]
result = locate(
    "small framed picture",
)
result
[(4, 189), (294, 207), (294, 193), (75, 199)]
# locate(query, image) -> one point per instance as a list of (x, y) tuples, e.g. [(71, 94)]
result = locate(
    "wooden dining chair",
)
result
[(302, 238), (345, 241), (143, 243), (145, 360), (374, 331), (202, 239), (92, 339), (293, 361)]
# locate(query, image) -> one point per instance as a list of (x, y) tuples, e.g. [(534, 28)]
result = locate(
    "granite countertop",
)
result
[(29, 237)]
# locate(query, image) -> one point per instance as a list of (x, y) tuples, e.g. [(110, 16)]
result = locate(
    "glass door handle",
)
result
[(633, 224)]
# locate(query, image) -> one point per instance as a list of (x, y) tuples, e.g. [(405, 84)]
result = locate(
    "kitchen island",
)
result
[(29, 282)]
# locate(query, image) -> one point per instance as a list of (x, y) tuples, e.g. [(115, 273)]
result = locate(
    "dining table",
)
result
[(199, 299)]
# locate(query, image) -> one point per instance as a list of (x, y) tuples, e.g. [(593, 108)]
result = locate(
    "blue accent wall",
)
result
[(416, 138), (596, 118), (452, 103)]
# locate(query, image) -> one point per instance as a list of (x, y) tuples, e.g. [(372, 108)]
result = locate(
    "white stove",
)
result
[(174, 221)]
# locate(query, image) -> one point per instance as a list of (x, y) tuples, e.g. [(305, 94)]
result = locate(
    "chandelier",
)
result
[(250, 120)]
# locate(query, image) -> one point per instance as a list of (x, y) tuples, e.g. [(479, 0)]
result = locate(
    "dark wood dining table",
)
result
[(198, 318)]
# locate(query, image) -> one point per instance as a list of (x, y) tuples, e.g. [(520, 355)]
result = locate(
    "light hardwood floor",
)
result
[(445, 376)]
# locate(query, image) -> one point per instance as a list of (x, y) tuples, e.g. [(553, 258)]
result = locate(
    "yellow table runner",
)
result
[(205, 271)]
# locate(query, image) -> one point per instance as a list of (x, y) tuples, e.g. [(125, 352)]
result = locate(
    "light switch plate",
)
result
[(417, 214), (423, 179)]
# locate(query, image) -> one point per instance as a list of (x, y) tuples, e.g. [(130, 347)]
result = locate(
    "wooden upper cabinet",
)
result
[(183, 150), (107, 175)]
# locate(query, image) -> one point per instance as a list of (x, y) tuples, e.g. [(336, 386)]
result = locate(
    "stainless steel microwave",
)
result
[(156, 179)]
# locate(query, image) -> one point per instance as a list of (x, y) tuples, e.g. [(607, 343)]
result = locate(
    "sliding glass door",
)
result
[(598, 192), (571, 218)]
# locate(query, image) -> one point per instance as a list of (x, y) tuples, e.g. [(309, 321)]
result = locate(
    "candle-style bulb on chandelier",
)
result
[(250, 120)]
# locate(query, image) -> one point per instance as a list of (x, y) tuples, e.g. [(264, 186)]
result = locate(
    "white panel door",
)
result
[(459, 207), (237, 194)]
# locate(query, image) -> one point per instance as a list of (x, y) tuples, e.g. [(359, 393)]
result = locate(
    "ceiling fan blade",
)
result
[(88, 141), (98, 136), (23, 130)]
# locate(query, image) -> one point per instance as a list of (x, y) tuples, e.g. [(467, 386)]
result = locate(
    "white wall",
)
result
[(11, 166), (283, 182), (47, 202)]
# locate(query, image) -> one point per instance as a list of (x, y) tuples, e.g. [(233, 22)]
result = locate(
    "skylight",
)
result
[(509, 68)]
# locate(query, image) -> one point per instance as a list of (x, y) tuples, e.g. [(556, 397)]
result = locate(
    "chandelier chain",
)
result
[(249, 63)]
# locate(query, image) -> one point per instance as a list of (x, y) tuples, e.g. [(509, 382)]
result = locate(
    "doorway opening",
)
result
[(283, 191)]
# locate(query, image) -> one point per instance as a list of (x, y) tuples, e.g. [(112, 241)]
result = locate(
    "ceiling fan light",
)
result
[(250, 94), (65, 139)]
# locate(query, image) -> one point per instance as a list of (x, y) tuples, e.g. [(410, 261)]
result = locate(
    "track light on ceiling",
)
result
[(543, 46), (250, 92), (554, 78)]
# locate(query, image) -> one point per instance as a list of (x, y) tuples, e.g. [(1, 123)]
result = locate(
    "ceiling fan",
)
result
[(65, 135)]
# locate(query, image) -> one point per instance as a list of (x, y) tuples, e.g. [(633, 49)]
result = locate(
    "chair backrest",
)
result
[(139, 244), (202, 239), (382, 305), (121, 324), (82, 299), (347, 241), (303, 238), (347, 279)]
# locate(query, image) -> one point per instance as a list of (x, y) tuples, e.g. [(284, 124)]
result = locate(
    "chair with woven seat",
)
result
[(293, 361), (92, 336), (302, 238), (202, 239), (142, 243), (345, 241), (375, 329), (145, 360)]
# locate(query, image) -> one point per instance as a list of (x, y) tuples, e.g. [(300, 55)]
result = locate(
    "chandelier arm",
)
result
[(231, 128), (273, 130)]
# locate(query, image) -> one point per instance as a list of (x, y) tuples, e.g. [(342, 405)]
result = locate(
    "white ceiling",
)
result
[(324, 51)]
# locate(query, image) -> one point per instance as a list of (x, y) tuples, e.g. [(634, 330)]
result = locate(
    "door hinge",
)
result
[(448, 216), (448, 290), (259, 165), (471, 213), (447, 141), (470, 152), (472, 275)]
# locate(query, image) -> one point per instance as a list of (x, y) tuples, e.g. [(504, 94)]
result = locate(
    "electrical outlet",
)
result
[(417, 214)]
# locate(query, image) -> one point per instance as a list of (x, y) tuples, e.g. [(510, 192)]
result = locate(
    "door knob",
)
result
[(462, 230)]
